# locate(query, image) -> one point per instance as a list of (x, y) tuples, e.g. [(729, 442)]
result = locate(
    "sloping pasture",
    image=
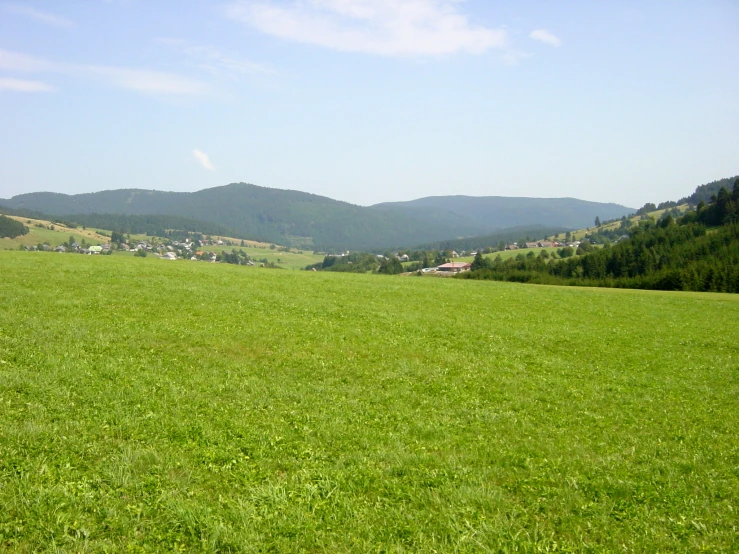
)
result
[(148, 406)]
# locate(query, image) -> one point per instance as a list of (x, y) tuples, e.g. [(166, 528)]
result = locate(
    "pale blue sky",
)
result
[(371, 100)]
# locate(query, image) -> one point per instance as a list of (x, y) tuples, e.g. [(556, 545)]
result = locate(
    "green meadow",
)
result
[(190, 407), (53, 237), (295, 259), (507, 254)]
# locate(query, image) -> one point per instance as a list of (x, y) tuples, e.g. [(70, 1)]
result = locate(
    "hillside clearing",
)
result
[(53, 234), (204, 407)]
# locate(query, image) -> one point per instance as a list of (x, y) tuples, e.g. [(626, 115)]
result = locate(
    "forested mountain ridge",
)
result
[(271, 215), (302, 219)]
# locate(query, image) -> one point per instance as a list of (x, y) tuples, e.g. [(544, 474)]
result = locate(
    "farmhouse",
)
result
[(455, 267)]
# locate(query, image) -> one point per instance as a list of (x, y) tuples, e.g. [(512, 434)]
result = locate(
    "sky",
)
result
[(371, 101)]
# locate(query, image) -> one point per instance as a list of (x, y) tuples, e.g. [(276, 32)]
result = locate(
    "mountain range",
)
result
[(307, 220)]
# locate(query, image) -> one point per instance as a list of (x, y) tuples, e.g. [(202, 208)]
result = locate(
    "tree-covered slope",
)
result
[(154, 225), (499, 212), (274, 215), (277, 214), (11, 228), (705, 192), (698, 252)]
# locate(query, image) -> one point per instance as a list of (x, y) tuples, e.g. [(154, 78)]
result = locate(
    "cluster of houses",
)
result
[(141, 245), (171, 245), (171, 251), (74, 247), (187, 250)]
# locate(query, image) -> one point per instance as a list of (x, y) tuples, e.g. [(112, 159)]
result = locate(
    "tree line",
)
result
[(151, 225), (11, 228)]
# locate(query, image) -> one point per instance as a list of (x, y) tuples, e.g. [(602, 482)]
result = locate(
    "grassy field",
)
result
[(149, 406), (506, 254), (53, 237), (295, 259)]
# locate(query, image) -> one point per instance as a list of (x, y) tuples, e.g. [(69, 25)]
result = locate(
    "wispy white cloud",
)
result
[(546, 37), (203, 159), (384, 27), (139, 80), (39, 15), (216, 62), (13, 61), (23, 85), (148, 82)]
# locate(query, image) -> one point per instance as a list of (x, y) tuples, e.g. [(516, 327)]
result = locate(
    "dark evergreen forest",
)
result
[(151, 225), (11, 228)]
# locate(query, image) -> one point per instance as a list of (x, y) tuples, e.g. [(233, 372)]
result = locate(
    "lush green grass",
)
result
[(147, 406), (295, 259)]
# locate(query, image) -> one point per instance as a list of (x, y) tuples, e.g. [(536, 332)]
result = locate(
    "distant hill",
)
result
[(308, 220), (270, 215), (490, 213)]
